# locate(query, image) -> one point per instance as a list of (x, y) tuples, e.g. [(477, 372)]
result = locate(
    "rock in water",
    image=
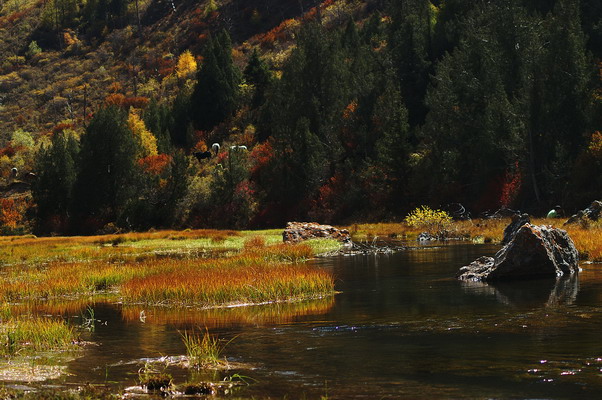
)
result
[(518, 220), (533, 252), (298, 231)]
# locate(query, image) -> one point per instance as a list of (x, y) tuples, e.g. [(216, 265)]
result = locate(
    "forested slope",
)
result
[(346, 111)]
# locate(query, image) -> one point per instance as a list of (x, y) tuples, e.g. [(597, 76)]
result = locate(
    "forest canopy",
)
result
[(347, 111)]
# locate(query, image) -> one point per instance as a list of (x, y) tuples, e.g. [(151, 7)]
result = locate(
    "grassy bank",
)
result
[(201, 267)]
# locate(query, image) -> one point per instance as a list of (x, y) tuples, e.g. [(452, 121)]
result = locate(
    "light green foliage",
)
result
[(21, 138), (33, 49), (435, 222), (211, 6)]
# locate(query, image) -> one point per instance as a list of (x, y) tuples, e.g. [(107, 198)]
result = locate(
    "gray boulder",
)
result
[(533, 252)]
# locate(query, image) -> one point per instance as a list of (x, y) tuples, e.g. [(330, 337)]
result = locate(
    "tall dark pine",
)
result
[(56, 172), (410, 43), (215, 95), (257, 74), (107, 174)]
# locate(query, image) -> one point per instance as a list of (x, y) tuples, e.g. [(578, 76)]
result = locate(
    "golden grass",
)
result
[(588, 241), (253, 277), (250, 272), (487, 230)]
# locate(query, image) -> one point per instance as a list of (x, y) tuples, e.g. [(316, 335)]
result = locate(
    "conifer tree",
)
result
[(215, 96), (56, 173), (257, 74), (107, 171)]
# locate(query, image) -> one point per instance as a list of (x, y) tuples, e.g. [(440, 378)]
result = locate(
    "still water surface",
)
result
[(401, 327)]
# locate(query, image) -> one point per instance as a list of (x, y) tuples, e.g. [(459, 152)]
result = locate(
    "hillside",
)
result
[(68, 69), (336, 110)]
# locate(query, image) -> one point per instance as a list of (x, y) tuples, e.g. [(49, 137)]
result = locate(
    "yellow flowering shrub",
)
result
[(435, 222)]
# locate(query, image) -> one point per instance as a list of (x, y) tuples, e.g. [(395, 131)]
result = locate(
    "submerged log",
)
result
[(533, 252)]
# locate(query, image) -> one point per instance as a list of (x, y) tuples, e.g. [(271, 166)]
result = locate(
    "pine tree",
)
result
[(157, 117), (215, 96), (107, 171), (411, 48), (257, 74), (56, 173), (472, 133)]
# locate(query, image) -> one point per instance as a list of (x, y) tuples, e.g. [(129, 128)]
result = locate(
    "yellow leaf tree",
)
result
[(147, 139), (186, 65)]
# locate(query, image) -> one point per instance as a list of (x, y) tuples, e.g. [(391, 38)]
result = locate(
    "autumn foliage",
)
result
[(13, 213), (155, 164)]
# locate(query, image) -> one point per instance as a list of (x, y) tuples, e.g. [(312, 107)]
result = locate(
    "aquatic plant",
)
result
[(237, 280), (204, 351), (167, 266), (154, 379)]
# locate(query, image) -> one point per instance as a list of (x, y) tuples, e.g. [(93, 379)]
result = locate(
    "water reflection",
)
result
[(255, 315), (402, 327), (536, 292)]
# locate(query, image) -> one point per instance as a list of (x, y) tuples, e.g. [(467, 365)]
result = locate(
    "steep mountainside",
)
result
[(54, 71)]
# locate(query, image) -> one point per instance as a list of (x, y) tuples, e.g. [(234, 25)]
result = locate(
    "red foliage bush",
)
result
[(12, 211), (121, 100), (61, 126), (511, 186), (9, 151), (155, 165), (262, 154)]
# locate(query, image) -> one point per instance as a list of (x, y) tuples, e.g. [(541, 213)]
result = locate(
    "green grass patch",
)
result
[(204, 351), (34, 334)]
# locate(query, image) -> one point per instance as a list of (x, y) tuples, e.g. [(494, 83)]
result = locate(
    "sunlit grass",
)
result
[(203, 351), (489, 230), (587, 238), (253, 271), (588, 241), (35, 334), (31, 250), (247, 278)]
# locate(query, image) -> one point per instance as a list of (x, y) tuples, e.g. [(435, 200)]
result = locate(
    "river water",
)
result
[(401, 327)]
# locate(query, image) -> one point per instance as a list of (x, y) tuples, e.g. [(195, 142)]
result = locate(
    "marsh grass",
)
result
[(253, 272), (30, 250), (204, 351), (244, 279), (588, 241), (587, 237), (484, 230), (34, 334)]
